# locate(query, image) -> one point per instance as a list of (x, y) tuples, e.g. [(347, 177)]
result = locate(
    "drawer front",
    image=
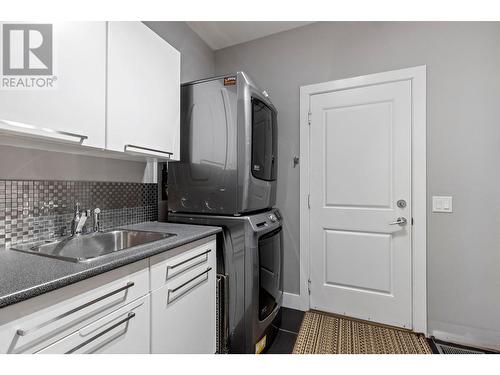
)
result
[(183, 313), (54, 315), (169, 267), (124, 331)]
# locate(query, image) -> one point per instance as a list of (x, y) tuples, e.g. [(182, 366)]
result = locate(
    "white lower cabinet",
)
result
[(124, 311), (124, 331), (183, 311), (183, 315), (37, 323)]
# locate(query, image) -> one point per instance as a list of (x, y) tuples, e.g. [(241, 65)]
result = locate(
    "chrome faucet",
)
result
[(79, 220), (76, 219), (97, 219)]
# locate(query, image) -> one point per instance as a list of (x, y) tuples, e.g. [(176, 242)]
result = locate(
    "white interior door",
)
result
[(360, 167)]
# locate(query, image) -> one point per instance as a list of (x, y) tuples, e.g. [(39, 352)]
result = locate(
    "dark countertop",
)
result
[(24, 276)]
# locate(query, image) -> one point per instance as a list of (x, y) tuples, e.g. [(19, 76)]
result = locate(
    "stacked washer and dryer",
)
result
[(226, 177)]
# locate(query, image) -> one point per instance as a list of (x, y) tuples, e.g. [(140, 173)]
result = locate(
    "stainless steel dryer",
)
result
[(250, 260), (228, 153)]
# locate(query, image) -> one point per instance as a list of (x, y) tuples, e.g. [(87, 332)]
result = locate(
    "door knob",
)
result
[(399, 221)]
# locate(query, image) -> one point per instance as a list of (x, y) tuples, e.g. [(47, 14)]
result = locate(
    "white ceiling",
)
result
[(224, 34)]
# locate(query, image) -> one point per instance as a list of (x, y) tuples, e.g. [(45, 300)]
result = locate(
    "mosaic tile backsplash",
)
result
[(39, 210)]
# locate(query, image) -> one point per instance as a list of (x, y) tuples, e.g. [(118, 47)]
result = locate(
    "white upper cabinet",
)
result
[(143, 112), (115, 86), (76, 101)]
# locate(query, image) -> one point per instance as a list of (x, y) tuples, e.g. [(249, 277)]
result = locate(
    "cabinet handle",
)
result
[(117, 324), (23, 332), (171, 267), (126, 148), (169, 300), (44, 129)]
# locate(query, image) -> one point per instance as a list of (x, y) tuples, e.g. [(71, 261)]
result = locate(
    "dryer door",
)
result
[(205, 180), (264, 141)]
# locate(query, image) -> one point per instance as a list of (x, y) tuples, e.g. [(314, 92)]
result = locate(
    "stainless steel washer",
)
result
[(250, 257)]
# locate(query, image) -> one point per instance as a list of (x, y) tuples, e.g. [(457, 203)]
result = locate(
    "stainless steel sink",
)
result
[(87, 247)]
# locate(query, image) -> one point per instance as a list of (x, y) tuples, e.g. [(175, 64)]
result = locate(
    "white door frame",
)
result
[(417, 76)]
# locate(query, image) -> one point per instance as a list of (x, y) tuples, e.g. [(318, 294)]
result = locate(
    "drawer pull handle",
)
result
[(23, 332), (170, 300), (128, 147), (49, 132), (172, 267), (117, 324)]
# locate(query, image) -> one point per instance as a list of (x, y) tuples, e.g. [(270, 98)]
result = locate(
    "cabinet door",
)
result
[(76, 102), (167, 267), (37, 323), (124, 331), (183, 313), (143, 114)]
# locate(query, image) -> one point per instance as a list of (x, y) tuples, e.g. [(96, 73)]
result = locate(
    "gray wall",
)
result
[(197, 58), (197, 61), (463, 142)]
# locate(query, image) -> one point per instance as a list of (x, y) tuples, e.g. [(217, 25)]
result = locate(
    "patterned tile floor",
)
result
[(290, 325)]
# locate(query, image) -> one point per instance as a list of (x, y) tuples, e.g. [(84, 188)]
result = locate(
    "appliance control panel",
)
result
[(267, 219), (272, 218), (277, 214)]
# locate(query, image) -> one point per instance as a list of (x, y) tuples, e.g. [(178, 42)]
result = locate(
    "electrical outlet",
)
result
[(442, 204)]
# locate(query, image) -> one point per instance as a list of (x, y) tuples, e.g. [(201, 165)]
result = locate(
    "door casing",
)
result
[(417, 76)]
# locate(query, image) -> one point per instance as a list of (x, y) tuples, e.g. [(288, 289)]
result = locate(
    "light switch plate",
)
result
[(442, 204)]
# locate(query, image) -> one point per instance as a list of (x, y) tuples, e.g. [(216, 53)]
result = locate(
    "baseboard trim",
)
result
[(469, 336), (292, 301)]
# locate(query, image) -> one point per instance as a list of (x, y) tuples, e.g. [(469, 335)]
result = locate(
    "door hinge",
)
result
[(309, 117), (411, 221), (309, 201), (309, 286)]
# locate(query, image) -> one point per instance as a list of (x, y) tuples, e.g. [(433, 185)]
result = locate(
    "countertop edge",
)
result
[(25, 294)]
